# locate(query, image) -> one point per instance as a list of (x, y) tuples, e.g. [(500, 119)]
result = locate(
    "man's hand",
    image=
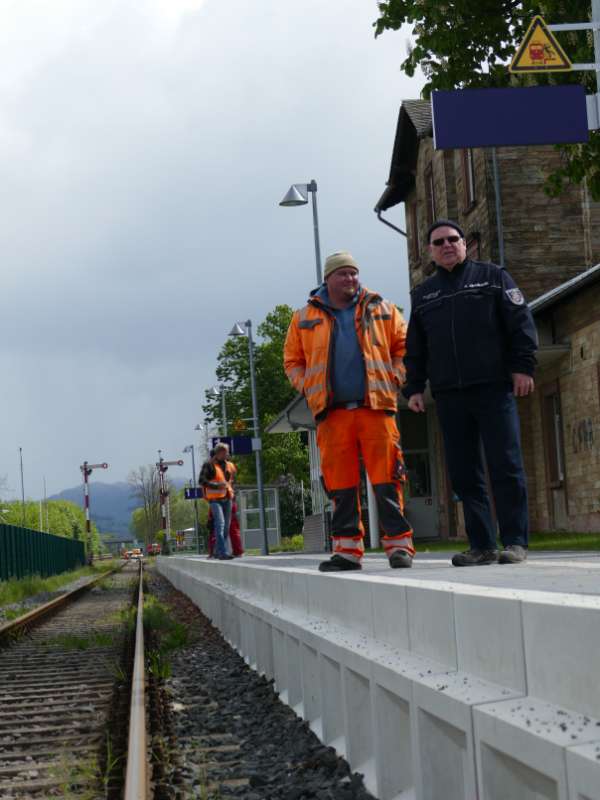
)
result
[(522, 384), (416, 402)]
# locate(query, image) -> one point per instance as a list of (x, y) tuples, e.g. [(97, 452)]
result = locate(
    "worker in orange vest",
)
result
[(344, 352), (216, 478)]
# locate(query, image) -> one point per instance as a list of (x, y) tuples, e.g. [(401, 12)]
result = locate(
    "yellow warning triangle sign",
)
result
[(539, 51)]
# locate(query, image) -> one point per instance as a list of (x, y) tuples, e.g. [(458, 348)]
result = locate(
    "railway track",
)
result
[(64, 695)]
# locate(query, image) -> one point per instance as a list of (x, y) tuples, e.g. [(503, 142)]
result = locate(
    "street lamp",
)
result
[(245, 329), (215, 392), (194, 484), (297, 195)]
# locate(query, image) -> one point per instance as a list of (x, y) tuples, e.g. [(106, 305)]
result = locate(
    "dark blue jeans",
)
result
[(487, 415), (221, 512)]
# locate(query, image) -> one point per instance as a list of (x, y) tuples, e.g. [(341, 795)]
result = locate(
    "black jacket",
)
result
[(468, 326)]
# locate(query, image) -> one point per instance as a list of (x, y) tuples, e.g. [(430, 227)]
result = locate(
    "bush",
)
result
[(289, 544)]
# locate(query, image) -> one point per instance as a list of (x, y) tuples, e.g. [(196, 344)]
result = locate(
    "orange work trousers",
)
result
[(343, 436)]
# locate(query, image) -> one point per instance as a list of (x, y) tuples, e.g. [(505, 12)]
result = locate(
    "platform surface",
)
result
[(565, 572)]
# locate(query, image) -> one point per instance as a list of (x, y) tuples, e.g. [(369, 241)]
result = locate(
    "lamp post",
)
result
[(219, 391), (297, 195), (190, 449), (22, 488), (245, 329)]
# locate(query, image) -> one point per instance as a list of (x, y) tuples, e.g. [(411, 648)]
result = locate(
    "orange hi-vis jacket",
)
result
[(223, 492), (381, 332)]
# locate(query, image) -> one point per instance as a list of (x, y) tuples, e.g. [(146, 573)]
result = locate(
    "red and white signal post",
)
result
[(87, 470), (162, 466)]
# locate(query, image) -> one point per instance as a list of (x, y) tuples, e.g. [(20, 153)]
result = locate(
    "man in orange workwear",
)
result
[(344, 352)]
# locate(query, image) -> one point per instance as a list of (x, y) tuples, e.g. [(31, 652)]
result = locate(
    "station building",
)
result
[(551, 247)]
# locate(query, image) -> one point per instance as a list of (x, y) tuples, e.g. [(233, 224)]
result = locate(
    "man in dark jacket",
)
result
[(472, 336)]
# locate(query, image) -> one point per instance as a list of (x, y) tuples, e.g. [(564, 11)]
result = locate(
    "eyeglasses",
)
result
[(450, 239)]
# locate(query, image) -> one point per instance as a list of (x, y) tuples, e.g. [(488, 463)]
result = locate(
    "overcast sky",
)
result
[(144, 147)]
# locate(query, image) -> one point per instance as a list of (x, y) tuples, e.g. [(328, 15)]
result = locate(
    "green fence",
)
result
[(26, 552)]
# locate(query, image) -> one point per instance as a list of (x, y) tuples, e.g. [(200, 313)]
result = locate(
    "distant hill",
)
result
[(111, 504)]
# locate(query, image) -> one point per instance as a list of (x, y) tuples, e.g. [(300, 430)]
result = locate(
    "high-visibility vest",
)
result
[(381, 333), (222, 492)]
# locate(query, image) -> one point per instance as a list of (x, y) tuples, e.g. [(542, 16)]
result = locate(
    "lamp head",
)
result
[(294, 197), (214, 391), (237, 330)]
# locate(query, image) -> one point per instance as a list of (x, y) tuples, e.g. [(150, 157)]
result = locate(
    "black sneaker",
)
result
[(400, 558), (338, 564), (512, 554), (475, 558)]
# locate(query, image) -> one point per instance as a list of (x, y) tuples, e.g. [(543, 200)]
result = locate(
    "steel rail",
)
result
[(41, 611), (136, 777)]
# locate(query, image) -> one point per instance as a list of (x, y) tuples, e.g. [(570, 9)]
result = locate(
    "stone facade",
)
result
[(576, 380), (546, 240)]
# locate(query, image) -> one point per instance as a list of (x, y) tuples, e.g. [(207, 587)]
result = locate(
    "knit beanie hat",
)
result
[(337, 261)]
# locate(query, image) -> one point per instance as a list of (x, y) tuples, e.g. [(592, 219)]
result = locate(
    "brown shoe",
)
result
[(512, 554)]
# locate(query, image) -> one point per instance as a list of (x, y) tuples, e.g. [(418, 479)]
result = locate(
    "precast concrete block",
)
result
[(443, 733), (280, 661), (521, 747), (358, 725), (390, 613), (562, 643), (294, 674), (332, 705), (393, 673), (264, 648), (311, 688), (489, 638), (431, 624), (583, 771), (344, 600), (295, 592)]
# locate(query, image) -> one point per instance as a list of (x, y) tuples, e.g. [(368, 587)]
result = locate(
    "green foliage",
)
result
[(289, 544), (462, 44), (64, 518), (282, 454), (16, 590)]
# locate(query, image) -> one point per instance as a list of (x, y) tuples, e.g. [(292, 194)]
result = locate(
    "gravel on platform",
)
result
[(232, 736)]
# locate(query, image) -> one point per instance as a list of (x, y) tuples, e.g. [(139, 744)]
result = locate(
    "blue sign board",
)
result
[(238, 445), (193, 493), (509, 117)]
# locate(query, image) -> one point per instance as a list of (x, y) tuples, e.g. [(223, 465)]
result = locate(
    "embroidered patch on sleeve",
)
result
[(515, 296)]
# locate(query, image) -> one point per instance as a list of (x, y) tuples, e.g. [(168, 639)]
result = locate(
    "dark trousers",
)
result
[(487, 415)]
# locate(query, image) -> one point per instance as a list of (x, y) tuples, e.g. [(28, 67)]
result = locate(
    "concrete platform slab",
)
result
[(416, 676)]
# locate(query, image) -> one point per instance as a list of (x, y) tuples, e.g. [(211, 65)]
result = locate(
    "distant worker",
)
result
[(472, 336), (344, 352), (216, 478)]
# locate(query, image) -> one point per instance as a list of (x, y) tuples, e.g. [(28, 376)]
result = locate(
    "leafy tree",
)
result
[(145, 520), (283, 454), (65, 519), (462, 44)]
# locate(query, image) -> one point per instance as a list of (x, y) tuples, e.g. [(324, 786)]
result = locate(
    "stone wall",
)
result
[(547, 240), (577, 320)]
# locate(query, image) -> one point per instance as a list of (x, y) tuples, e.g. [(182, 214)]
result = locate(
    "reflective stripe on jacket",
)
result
[(381, 332)]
